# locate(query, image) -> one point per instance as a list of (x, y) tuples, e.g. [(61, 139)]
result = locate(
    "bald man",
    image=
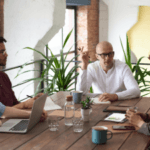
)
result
[(111, 78)]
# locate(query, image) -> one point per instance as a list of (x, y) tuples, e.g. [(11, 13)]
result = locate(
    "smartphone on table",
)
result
[(115, 127)]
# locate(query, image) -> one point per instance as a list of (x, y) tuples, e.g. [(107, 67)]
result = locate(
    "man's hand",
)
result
[(44, 116), (134, 118), (29, 103), (84, 58), (108, 97), (142, 115), (38, 95)]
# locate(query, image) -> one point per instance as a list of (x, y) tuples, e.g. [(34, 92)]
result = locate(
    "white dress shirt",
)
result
[(118, 80)]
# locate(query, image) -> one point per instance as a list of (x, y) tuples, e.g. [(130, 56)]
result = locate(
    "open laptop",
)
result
[(24, 125)]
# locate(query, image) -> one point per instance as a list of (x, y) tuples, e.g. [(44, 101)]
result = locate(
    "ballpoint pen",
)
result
[(29, 96)]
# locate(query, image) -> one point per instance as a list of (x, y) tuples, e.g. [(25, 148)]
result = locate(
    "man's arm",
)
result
[(145, 129), (132, 88), (84, 79), (138, 120), (11, 112), (27, 104)]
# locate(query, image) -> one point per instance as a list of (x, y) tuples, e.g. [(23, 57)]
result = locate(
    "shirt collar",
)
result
[(110, 70)]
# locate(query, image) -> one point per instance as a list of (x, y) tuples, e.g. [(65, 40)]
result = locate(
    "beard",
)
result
[(108, 65), (3, 63)]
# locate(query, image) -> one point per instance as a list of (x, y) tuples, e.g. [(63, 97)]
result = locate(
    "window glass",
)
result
[(69, 25)]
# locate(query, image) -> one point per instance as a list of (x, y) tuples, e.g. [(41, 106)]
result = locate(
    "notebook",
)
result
[(116, 117), (96, 101), (117, 109)]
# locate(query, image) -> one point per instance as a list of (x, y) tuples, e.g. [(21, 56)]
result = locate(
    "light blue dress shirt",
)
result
[(2, 109)]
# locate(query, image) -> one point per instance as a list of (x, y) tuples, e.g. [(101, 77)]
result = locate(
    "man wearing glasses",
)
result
[(111, 78)]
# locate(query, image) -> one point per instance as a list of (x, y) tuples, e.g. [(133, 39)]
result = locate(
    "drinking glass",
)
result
[(77, 124), (134, 108), (53, 123)]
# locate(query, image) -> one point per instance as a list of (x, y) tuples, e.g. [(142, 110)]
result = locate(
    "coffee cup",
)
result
[(99, 134), (77, 96)]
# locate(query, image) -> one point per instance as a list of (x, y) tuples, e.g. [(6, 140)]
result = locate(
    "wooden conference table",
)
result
[(40, 137)]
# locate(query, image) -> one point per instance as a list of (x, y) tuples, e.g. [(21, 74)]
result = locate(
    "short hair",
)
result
[(2, 40)]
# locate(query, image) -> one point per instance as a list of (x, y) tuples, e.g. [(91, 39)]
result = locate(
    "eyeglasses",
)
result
[(3, 52), (104, 55)]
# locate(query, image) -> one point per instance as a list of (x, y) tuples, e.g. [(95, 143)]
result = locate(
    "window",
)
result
[(57, 41), (56, 44)]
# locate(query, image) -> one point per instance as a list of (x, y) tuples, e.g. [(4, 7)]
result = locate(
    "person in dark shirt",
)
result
[(7, 96)]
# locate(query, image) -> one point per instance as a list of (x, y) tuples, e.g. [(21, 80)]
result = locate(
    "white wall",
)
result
[(122, 15), (103, 21), (29, 23)]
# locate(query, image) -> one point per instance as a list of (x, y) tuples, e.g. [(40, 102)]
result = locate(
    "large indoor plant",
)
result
[(86, 108), (138, 71), (43, 78), (60, 80), (65, 77)]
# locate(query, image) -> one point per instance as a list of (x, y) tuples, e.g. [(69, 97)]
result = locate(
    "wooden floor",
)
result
[(40, 137)]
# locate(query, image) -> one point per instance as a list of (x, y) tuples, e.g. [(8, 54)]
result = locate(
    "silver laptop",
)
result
[(24, 125)]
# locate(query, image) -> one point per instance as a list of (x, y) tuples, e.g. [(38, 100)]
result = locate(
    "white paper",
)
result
[(96, 101), (50, 105), (117, 117), (91, 95)]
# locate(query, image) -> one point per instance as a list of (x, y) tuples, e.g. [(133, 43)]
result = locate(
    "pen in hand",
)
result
[(29, 96)]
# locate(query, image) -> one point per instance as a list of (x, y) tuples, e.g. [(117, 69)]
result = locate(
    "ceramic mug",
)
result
[(99, 134), (77, 96)]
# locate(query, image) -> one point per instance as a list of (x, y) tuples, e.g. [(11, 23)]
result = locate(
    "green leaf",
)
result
[(21, 69), (26, 81), (123, 51), (25, 72), (67, 38), (37, 52), (91, 89)]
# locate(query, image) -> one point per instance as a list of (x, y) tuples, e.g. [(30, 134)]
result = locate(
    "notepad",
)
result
[(116, 117), (50, 105), (96, 101)]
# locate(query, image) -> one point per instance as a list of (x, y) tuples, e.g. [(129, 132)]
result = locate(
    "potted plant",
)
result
[(86, 109), (140, 73), (62, 79)]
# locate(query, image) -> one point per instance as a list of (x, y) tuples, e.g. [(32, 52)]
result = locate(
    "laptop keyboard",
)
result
[(22, 125)]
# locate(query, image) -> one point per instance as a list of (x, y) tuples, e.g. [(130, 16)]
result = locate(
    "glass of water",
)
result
[(53, 123), (134, 108), (77, 124)]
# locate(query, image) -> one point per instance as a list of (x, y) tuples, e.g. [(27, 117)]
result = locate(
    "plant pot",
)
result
[(85, 113)]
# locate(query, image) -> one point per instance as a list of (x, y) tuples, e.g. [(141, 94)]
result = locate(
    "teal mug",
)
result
[(99, 134)]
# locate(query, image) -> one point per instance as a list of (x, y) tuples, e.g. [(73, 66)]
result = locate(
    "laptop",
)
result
[(24, 125)]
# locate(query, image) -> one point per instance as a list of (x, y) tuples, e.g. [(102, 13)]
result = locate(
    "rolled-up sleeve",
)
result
[(132, 88), (2, 109), (145, 129), (84, 81)]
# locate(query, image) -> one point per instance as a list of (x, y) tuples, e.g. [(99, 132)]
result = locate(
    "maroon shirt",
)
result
[(7, 96)]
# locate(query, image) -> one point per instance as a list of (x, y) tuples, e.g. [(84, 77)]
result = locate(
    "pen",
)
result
[(29, 96)]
